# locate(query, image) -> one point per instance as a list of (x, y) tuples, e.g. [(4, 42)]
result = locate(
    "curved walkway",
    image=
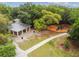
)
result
[(43, 42), (22, 53), (19, 52)]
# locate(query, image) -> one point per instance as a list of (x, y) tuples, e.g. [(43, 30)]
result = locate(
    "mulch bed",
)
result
[(54, 28)]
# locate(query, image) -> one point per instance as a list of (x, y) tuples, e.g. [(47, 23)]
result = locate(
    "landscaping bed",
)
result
[(54, 49), (34, 39), (59, 28)]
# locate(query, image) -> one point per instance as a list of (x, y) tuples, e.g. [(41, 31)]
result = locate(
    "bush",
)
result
[(3, 39), (66, 44), (51, 43), (7, 50)]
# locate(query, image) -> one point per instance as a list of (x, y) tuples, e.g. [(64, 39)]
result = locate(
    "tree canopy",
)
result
[(74, 33), (39, 24), (4, 23), (51, 18), (48, 18)]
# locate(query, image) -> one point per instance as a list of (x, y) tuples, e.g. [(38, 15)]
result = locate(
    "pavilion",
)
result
[(17, 28)]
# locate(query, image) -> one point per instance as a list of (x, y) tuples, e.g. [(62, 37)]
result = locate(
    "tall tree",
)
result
[(74, 34), (66, 18), (6, 10), (39, 24), (25, 18), (51, 18), (4, 22)]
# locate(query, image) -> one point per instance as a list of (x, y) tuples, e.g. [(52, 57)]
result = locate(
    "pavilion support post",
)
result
[(26, 29), (17, 34), (29, 28), (13, 33), (22, 31)]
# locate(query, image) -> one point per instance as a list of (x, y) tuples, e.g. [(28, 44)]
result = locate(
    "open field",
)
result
[(53, 49)]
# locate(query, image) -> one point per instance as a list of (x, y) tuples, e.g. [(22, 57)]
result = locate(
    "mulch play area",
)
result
[(59, 28)]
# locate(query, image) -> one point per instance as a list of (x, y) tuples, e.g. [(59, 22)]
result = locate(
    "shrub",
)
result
[(3, 39), (51, 43), (66, 44), (7, 50)]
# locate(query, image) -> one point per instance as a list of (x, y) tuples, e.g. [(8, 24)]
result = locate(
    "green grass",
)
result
[(34, 40), (29, 43), (51, 50)]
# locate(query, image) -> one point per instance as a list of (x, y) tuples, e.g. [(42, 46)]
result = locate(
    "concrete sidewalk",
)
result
[(19, 52)]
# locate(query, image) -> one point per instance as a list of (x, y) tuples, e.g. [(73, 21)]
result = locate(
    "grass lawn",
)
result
[(51, 49), (34, 40)]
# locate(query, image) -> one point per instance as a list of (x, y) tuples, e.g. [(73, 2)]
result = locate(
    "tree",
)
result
[(30, 9), (4, 23), (74, 13), (29, 17), (6, 10), (26, 7), (25, 18), (48, 18), (66, 16), (35, 14), (51, 18), (45, 12), (15, 13), (55, 8), (7, 49), (74, 33), (3, 39), (39, 24)]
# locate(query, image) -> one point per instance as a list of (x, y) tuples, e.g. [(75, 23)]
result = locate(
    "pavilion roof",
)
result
[(18, 26)]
